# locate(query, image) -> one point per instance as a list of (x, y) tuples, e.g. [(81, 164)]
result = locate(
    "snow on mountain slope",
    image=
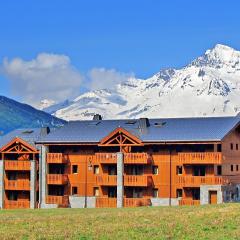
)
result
[(209, 86)]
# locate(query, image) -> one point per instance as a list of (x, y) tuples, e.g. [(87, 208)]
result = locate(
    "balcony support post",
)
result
[(42, 176), (2, 184), (120, 185), (33, 179)]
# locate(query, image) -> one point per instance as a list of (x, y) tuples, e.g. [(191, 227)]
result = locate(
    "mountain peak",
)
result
[(223, 52), (218, 56)]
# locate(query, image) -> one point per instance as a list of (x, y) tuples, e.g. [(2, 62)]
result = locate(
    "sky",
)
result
[(58, 49)]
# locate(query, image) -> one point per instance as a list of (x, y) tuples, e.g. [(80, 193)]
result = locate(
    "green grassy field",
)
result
[(204, 222)]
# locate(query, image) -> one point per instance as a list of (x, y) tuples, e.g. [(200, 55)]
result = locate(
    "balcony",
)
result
[(136, 202), (105, 158), (106, 180), (56, 158), (14, 165), (57, 179), (129, 180), (105, 202), (60, 200), (17, 184), (129, 158), (196, 181), (10, 204), (137, 158), (137, 180), (189, 202), (200, 158)]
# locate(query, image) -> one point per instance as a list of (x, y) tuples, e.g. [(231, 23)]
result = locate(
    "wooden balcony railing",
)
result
[(58, 179), (137, 158), (10, 204), (136, 202), (56, 158), (129, 158), (17, 184), (16, 165), (59, 200), (196, 181), (137, 180), (200, 158), (105, 202), (129, 180), (189, 202), (104, 158), (106, 180)]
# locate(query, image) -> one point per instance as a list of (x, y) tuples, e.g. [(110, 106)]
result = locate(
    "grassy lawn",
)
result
[(204, 222)]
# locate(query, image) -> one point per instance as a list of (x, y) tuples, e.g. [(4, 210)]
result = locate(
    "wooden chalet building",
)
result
[(122, 163)]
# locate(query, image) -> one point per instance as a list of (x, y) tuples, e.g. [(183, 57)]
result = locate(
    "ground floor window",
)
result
[(196, 194), (96, 191), (155, 192), (179, 193), (74, 190), (137, 193)]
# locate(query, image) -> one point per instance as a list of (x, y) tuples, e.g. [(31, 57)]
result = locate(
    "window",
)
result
[(112, 192), (196, 194), (74, 190), (199, 170), (231, 168), (236, 146), (179, 170), (219, 147), (136, 170), (219, 170), (231, 146), (96, 169), (137, 193), (12, 176), (13, 196), (112, 170), (74, 168), (155, 170), (179, 193), (155, 192), (236, 167), (96, 191)]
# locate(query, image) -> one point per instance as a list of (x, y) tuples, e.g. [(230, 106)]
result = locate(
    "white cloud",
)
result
[(100, 78), (48, 76), (52, 77)]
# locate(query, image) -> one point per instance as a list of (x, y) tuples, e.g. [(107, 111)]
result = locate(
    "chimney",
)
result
[(97, 117), (44, 131), (144, 123)]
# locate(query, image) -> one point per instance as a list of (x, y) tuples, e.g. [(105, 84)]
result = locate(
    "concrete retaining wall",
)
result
[(164, 202), (79, 202)]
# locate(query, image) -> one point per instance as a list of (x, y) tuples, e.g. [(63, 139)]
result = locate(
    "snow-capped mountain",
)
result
[(45, 103), (17, 115), (208, 86)]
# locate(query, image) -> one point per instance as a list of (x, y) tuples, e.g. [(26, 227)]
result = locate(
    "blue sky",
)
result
[(137, 37)]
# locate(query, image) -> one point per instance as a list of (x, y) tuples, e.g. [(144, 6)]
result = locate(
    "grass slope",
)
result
[(204, 222)]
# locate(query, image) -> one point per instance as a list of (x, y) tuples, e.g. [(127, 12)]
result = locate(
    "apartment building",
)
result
[(123, 163)]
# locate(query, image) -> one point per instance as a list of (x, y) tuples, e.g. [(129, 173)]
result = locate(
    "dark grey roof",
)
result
[(160, 130), (29, 135)]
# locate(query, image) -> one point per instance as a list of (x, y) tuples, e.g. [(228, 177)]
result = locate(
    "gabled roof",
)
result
[(159, 130), (121, 137), (18, 145), (29, 136)]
